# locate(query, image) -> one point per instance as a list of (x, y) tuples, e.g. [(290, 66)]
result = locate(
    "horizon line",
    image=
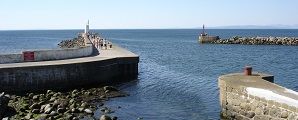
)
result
[(214, 28)]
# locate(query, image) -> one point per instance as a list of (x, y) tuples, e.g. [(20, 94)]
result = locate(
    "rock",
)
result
[(69, 117), (74, 91), (35, 97), (107, 91), (35, 106), (71, 101), (103, 97), (48, 110), (42, 117), (284, 114), (103, 109), (81, 109), (47, 106), (259, 111), (250, 114), (52, 99), (28, 116), (74, 110), (30, 95), (73, 106), (75, 118), (114, 118), (61, 110), (6, 118), (49, 91), (53, 113), (55, 95), (42, 108), (105, 117), (110, 88), (88, 111), (84, 105), (35, 111)]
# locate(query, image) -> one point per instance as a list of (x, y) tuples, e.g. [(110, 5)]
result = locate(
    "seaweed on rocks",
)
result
[(61, 105)]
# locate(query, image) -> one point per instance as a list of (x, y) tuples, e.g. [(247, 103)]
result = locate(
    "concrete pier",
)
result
[(113, 65), (255, 97)]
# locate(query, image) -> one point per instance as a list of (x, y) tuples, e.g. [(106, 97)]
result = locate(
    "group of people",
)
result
[(100, 43)]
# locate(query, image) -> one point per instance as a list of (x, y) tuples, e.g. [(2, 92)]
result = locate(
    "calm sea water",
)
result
[(177, 76)]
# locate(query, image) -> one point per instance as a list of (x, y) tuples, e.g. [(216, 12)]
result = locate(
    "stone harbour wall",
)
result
[(259, 41), (255, 98), (68, 75)]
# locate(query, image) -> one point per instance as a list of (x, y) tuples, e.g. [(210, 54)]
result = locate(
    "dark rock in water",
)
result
[(114, 118), (110, 88), (75, 118), (105, 117), (88, 111)]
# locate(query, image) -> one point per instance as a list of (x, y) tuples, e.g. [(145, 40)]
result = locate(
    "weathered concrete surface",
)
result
[(253, 97), (114, 65), (54, 54)]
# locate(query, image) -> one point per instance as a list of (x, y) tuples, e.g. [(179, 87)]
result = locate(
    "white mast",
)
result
[(87, 28)]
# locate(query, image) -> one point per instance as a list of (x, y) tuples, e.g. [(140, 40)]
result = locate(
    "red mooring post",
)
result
[(247, 70)]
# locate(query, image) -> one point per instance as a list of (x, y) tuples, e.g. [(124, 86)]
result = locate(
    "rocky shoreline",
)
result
[(71, 105), (293, 41)]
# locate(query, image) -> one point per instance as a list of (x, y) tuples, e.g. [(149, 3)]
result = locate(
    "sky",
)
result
[(144, 14)]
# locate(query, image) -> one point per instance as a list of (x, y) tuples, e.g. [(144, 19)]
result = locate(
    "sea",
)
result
[(177, 76)]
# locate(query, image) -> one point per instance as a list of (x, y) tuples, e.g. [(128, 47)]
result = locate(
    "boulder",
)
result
[(88, 111), (35, 106), (110, 88), (105, 117)]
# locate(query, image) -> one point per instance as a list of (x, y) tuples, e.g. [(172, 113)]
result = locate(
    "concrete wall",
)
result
[(43, 55), (253, 97), (64, 76), (11, 58), (207, 39)]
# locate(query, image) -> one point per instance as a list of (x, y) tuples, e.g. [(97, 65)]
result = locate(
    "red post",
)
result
[(247, 70)]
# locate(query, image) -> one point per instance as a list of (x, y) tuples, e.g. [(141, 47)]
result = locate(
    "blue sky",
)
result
[(123, 14)]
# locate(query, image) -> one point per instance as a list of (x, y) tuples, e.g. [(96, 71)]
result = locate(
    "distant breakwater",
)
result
[(293, 41)]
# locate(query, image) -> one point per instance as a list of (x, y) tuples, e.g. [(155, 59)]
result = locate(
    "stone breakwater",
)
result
[(72, 105), (72, 43), (259, 41)]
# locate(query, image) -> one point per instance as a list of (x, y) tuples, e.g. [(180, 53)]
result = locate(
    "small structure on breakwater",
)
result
[(254, 96), (205, 38), (259, 41)]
